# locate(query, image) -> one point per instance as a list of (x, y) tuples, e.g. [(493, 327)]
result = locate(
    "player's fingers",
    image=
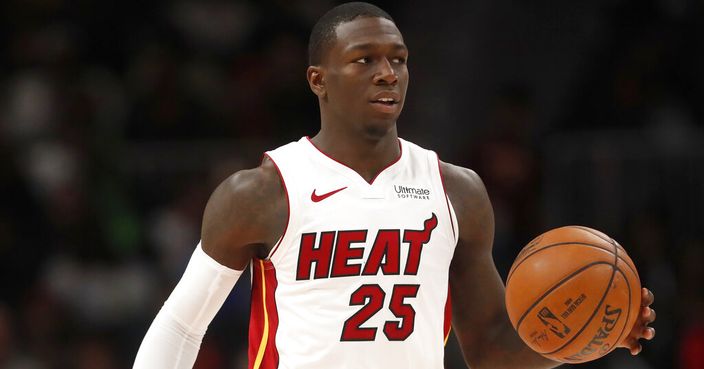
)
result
[(647, 297), (636, 349), (648, 333), (632, 345), (647, 314)]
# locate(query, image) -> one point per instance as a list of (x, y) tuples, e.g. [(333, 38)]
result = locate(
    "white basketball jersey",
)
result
[(360, 277)]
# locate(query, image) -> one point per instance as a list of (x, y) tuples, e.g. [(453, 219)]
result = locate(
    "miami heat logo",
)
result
[(385, 254), (335, 256)]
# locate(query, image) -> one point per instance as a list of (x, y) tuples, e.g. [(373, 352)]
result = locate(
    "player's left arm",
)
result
[(479, 317)]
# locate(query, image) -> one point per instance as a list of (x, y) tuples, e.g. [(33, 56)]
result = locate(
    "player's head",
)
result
[(357, 60), (323, 34)]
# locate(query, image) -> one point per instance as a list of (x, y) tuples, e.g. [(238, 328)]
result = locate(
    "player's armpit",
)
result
[(245, 216)]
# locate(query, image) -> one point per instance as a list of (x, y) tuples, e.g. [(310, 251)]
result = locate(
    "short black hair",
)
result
[(323, 33)]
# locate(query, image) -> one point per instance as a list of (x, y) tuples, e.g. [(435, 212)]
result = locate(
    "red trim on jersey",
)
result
[(448, 303), (448, 316), (288, 201), (447, 199), (400, 154), (263, 317)]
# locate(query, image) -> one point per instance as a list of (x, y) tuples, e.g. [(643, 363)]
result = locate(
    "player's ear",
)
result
[(316, 80)]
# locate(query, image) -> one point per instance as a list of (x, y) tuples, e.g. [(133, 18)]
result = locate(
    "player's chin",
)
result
[(378, 128), (383, 118)]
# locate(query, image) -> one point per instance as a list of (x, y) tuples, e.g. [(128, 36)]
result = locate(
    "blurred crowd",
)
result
[(118, 119)]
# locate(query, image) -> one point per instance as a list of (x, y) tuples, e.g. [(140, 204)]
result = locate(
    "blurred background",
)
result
[(118, 119)]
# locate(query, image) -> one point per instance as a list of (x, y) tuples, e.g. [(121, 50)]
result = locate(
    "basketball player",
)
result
[(354, 236)]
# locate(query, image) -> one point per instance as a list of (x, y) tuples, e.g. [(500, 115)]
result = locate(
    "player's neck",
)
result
[(368, 156)]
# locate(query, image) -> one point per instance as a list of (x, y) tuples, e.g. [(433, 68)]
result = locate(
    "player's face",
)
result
[(365, 74)]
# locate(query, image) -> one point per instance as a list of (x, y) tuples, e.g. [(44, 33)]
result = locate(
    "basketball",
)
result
[(573, 294)]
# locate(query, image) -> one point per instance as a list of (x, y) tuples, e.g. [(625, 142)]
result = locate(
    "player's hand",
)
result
[(641, 328)]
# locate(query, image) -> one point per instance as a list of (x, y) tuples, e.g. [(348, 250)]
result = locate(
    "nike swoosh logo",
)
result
[(318, 198)]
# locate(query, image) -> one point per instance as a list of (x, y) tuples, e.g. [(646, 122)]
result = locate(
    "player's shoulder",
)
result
[(461, 181), (247, 208), (469, 199), (253, 184)]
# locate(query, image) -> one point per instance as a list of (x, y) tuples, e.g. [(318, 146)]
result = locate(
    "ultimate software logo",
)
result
[(404, 192)]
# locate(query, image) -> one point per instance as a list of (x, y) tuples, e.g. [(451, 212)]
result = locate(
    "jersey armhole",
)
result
[(288, 208), (450, 210)]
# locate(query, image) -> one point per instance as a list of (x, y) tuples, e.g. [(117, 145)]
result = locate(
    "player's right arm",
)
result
[(244, 217)]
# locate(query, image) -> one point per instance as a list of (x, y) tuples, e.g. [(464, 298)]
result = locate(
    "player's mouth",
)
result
[(386, 102)]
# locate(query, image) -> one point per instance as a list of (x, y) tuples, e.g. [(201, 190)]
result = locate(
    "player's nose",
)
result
[(385, 73)]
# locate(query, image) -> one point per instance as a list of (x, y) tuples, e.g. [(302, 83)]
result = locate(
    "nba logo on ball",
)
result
[(573, 294), (551, 321)]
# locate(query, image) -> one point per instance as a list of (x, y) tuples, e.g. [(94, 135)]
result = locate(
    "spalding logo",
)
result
[(608, 322)]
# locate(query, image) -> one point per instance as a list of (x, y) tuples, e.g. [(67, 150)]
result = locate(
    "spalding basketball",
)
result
[(573, 294)]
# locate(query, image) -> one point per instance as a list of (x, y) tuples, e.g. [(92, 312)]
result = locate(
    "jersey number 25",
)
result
[(372, 297)]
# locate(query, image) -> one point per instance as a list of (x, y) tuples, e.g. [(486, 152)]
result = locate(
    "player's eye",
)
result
[(398, 60), (363, 60)]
